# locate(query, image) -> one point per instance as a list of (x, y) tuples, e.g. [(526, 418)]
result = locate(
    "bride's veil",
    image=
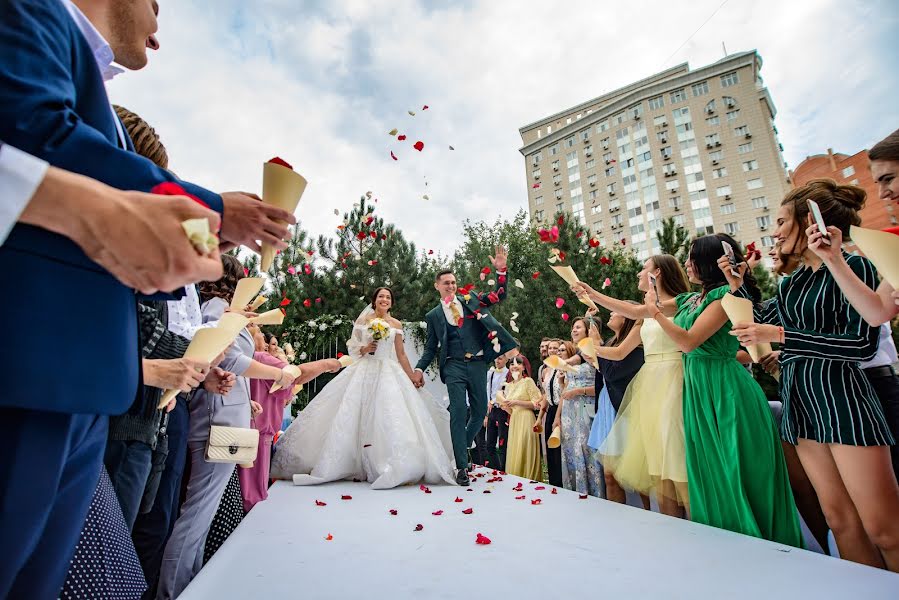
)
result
[(358, 339)]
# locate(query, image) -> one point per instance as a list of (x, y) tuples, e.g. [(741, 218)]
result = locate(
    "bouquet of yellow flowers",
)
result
[(379, 329)]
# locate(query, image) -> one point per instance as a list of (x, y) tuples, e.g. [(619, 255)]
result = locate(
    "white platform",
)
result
[(564, 547)]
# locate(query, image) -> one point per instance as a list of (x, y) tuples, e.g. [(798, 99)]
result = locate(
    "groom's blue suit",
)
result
[(465, 353), (70, 342)]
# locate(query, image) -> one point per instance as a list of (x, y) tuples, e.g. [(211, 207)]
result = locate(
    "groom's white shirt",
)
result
[(448, 312)]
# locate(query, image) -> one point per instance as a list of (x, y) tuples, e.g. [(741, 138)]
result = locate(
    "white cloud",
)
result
[(321, 85)]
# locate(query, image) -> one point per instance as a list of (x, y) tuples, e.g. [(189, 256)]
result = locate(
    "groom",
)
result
[(463, 329)]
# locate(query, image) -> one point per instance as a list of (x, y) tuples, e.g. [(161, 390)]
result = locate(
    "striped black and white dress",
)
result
[(825, 395)]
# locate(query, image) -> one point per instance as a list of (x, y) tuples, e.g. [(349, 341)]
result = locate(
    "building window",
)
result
[(731, 228), (610, 171), (535, 159), (728, 209), (716, 155), (591, 180), (656, 103), (760, 202), (558, 194), (660, 121), (538, 215), (619, 118), (635, 111), (557, 179), (538, 200), (763, 222), (560, 207), (590, 164), (622, 133), (569, 142), (719, 173), (672, 185), (741, 130), (554, 149), (675, 203), (710, 107), (607, 157), (729, 79), (733, 114), (666, 152), (588, 150), (555, 165), (849, 171), (662, 136), (723, 191), (711, 140), (678, 96), (605, 143), (753, 184), (713, 121), (767, 241), (751, 165), (671, 169), (585, 135), (535, 173), (744, 148), (729, 101), (595, 210), (700, 89)]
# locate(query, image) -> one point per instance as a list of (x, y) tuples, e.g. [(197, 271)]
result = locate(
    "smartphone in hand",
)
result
[(819, 221), (655, 288), (731, 258)]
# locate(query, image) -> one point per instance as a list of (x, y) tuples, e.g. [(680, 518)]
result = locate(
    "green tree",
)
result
[(674, 240)]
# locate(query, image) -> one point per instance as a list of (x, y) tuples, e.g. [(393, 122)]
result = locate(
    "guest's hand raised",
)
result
[(816, 243), (750, 334), (246, 221), (735, 281)]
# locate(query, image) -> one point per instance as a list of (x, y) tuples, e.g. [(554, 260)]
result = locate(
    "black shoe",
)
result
[(462, 478)]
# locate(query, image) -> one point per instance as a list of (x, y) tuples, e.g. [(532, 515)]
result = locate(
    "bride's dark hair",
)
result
[(374, 296)]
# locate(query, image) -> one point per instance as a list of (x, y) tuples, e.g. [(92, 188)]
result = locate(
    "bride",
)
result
[(370, 422)]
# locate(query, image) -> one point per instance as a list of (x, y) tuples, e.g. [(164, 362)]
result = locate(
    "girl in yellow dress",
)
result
[(520, 399)]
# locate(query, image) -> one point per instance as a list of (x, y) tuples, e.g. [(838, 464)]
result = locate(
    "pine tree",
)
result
[(674, 240)]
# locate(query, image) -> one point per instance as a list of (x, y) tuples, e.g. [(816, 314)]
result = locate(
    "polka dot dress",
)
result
[(105, 564), (227, 518)]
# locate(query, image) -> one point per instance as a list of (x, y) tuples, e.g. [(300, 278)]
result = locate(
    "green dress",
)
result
[(735, 466)]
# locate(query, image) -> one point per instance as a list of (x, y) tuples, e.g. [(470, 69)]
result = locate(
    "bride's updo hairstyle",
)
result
[(377, 291), (232, 272)]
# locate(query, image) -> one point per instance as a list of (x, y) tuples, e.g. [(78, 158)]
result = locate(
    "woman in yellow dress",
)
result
[(520, 399)]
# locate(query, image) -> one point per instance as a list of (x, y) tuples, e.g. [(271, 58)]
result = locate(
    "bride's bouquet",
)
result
[(379, 329)]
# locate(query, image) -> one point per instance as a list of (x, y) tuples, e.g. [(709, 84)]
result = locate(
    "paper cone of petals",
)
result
[(246, 290), (292, 370), (555, 440), (271, 317), (882, 249), (205, 346), (281, 187)]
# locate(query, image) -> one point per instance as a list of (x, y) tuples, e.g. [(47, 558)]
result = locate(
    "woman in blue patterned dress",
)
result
[(581, 471)]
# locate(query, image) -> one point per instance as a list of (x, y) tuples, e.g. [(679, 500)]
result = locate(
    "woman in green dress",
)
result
[(735, 466)]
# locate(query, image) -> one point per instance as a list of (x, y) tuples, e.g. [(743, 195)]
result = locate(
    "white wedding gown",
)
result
[(369, 423)]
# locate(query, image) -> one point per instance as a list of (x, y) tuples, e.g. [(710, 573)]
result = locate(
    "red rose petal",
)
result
[(540, 487), (519, 497), (469, 490), (346, 497), (536, 501), (280, 161), (536, 275), (486, 491), (437, 513), (401, 137), (419, 146), (320, 503), (285, 302), (393, 511), (467, 511), (458, 499), (425, 107), (366, 445), (582, 496), (419, 527), (393, 156), (555, 491), (482, 539), (329, 537), (246, 272)]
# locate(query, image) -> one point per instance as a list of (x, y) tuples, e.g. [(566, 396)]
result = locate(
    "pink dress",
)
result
[(254, 481)]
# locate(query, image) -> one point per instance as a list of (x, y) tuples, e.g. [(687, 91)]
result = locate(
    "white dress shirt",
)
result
[(448, 312), (496, 378), (102, 54), (185, 317), (886, 349), (20, 176)]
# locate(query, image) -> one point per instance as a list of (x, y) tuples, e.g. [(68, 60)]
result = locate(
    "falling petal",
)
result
[(419, 146), (606, 283), (451, 148), (392, 131), (425, 107), (565, 316), (560, 302), (393, 156), (411, 113), (518, 284), (401, 137)]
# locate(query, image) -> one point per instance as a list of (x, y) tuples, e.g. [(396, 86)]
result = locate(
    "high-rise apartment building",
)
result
[(696, 145), (855, 169)]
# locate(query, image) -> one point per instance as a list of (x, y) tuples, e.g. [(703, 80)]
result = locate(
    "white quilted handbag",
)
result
[(232, 445)]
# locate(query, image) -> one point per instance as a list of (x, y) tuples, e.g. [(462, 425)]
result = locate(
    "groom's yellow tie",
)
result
[(454, 309)]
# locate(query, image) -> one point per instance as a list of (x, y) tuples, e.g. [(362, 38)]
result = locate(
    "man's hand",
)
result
[(418, 379), (137, 237), (771, 362), (219, 381), (255, 409), (247, 221), (499, 260), (176, 374)]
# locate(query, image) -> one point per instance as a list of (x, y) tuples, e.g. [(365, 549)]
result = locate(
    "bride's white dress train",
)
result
[(369, 423)]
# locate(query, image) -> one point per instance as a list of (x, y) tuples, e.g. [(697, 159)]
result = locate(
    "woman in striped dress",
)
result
[(830, 410)]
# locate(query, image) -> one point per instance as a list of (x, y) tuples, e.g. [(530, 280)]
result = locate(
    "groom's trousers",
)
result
[(465, 379)]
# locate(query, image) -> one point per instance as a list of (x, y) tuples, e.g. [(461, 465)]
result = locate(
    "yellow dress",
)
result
[(646, 444), (523, 452)]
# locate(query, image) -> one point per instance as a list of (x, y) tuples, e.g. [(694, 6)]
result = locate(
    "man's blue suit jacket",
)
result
[(70, 337)]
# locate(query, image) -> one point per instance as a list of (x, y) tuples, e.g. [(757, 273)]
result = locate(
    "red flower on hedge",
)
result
[(307, 302), (285, 302), (361, 235)]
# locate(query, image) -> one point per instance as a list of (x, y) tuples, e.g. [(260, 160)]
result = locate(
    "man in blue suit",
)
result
[(70, 329)]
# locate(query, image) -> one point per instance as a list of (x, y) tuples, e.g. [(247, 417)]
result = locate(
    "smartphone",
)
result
[(655, 288), (819, 220), (729, 252)]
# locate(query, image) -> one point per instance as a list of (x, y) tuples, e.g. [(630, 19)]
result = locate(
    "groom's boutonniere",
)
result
[(466, 297)]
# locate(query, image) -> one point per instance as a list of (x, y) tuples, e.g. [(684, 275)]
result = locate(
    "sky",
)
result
[(321, 84)]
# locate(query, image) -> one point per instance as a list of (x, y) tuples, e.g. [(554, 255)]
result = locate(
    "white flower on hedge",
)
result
[(311, 335), (303, 356), (423, 325), (322, 327), (311, 323)]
